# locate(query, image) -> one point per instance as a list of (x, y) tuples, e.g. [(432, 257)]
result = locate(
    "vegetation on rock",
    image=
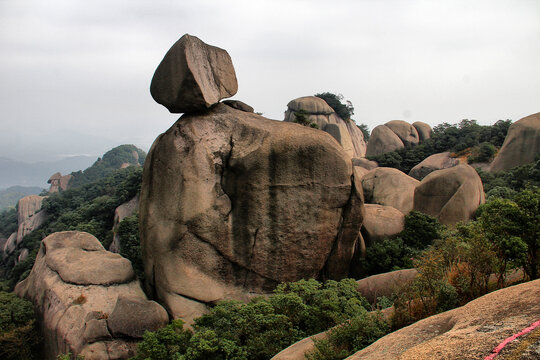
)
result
[(344, 111)]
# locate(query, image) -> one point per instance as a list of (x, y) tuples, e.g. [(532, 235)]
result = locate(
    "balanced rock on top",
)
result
[(193, 76)]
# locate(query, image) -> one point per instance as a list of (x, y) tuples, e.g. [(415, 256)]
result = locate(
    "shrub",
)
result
[(344, 111)]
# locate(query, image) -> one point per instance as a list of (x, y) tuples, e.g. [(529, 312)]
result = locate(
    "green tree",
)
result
[(344, 110)]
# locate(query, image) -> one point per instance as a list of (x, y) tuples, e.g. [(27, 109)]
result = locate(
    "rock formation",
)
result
[(319, 112), (432, 163), (193, 76), (121, 212), (233, 203), (383, 140), (405, 131), (59, 182), (451, 195), (380, 222), (468, 332), (395, 135), (386, 284), (29, 215), (390, 187), (423, 129), (88, 299), (521, 145)]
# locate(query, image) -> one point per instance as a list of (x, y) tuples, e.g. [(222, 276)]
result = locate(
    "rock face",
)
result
[(468, 332), (319, 112), (121, 212), (451, 195), (390, 187), (380, 222), (233, 203), (382, 140), (193, 76), (59, 182), (385, 284), (423, 129), (29, 215), (521, 145), (88, 300), (432, 163), (405, 131)]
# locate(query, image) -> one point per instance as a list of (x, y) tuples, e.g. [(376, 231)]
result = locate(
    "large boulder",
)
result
[(29, 216), (390, 187), (451, 195), (381, 222), (423, 129), (468, 332), (432, 163), (405, 131), (382, 140), (193, 76), (385, 284), (521, 145), (320, 113), (233, 203), (87, 299)]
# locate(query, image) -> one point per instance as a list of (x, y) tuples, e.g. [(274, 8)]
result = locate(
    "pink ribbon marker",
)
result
[(501, 346)]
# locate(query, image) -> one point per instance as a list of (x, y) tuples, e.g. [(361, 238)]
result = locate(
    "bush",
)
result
[(130, 243), (19, 335), (262, 327), (344, 111)]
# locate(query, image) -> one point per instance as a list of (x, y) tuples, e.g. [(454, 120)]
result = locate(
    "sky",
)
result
[(75, 74)]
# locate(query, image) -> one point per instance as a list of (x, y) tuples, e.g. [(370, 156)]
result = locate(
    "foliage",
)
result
[(515, 179), (344, 111), (365, 131), (262, 327), (350, 337), (419, 232), (302, 117), (19, 335), (112, 160), (8, 222), (130, 243), (485, 152), (446, 137)]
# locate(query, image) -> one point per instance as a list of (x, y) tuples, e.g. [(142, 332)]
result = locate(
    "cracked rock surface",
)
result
[(233, 203), (82, 293)]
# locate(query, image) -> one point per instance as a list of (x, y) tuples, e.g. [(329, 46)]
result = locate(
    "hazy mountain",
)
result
[(10, 196), (21, 173)]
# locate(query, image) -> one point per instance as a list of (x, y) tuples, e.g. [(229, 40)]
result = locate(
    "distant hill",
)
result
[(10, 196), (21, 173), (119, 157)]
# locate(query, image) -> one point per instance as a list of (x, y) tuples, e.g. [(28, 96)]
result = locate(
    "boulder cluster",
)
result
[(395, 135)]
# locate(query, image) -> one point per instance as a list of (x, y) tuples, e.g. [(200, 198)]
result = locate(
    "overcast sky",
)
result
[(75, 74)]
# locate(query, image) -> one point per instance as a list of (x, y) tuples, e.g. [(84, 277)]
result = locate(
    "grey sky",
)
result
[(74, 74)]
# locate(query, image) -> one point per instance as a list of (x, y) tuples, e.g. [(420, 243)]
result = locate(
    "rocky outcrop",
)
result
[(29, 215), (238, 105), (432, 163), (405, 131), (233, 203), (9, 245), (381, 222), (121, 212), (193, 76), (59, 182), (468, 332), (88, 300), (386, 284), (423, 129), (320, 113), (395, 135), (390, 187), (383, 140), (365, 163), (521, 145), (451, 195)]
